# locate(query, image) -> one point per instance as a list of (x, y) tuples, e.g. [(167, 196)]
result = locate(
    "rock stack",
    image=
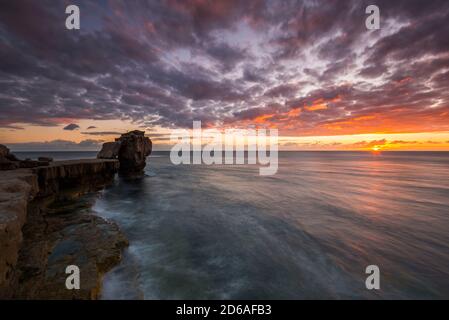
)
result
[(131, 149)]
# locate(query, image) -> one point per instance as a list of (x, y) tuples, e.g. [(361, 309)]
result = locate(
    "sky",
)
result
[(310, 69)]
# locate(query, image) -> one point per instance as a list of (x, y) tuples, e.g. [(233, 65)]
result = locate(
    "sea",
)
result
[(308, 232)]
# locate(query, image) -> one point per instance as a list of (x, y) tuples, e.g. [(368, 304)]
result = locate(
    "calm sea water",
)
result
[(224, 232)]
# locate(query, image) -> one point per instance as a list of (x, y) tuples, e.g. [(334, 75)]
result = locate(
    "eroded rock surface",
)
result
[(66, 233), (17, 188), (109, 150), (131, 149), (34, 236), (75, 174)]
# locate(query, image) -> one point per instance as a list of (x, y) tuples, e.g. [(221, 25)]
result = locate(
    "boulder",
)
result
[(131, 149), (45, 159)]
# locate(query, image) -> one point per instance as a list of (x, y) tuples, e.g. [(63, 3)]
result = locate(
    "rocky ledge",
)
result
[(32, 233), (46, 224)]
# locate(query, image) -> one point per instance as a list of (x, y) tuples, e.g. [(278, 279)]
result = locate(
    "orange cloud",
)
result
[(322, 104), (263, 118), (294, 113)]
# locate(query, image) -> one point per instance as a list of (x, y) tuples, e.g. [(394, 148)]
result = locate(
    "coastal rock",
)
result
[(134, 149), (32, 163), (22, 188), (8, 165), (88, 175), (4, 151), (9, 161), (45, 159), (58, 239), (5, 154), (17, 188), (131, 149), (109, 150)]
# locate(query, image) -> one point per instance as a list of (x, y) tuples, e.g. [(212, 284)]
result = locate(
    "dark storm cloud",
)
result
[(71, 127), (171, 62)]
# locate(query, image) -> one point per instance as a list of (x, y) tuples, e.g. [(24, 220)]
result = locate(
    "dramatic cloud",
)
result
[(305, 67), (71, 127)]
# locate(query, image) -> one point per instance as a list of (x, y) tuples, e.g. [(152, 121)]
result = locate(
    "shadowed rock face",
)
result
[(8, 161), (131, 149), (17, 187), (109, 150)]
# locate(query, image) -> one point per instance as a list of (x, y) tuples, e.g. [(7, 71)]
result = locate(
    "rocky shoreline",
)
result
[(46, 223)]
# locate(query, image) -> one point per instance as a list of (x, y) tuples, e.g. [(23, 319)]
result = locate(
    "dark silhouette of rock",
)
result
[(4, 151), (5, 154), (45, 159), (109, 150), (8, 165), (32, 163), (131, 149), (9, 161)]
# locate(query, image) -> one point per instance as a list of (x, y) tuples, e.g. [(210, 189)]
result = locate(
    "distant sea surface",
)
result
[(224, 232)]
